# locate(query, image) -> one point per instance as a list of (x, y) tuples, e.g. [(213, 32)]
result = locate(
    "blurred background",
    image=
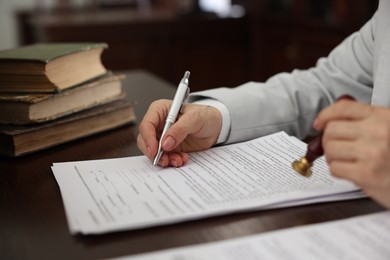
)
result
[(222, 42)]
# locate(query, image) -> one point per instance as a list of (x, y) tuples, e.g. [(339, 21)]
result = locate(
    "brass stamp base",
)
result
[(303, 167)]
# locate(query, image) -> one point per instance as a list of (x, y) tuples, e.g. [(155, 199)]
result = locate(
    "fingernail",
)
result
[(174, 163), (169, 143), (161, 163), (148, 150)]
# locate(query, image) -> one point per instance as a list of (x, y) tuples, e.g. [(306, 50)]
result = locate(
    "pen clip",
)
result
[(184, 99)]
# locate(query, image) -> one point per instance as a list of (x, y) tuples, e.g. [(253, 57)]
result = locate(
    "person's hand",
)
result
[(356, 142), (197, 128)]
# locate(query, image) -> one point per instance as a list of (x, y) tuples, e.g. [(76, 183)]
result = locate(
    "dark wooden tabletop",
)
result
[(32, 218)]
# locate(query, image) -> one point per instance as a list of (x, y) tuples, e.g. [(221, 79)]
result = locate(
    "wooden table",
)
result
[(33, 223)]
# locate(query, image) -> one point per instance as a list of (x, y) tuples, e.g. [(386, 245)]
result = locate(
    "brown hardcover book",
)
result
[(50, 67), (33, 108), (23, 139)]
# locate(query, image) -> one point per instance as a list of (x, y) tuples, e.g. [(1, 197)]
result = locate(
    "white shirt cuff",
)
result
[(225, 129)]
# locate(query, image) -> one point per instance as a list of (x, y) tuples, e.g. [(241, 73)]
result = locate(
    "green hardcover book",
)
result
[(50, 67)]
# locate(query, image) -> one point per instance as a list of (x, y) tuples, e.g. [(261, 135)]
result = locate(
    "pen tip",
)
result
[(155, 161), (187, 74)]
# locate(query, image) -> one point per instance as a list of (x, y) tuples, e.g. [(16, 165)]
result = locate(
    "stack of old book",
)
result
[(54, 93)]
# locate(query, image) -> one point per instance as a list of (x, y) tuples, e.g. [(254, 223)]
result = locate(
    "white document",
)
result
[(358, 238), (129, 193)]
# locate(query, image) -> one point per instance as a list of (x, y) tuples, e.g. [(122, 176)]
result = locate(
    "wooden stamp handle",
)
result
[(314, 147)]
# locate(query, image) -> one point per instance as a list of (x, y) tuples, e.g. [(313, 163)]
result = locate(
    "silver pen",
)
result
[(180, 97)]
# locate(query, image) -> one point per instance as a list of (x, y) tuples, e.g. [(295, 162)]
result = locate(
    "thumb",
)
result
[(176, 134)]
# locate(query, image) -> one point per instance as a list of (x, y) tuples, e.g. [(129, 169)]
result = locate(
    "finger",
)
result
[(342, 130), (336, 150), (186, 125), (147, 139), (359, 172), (176, 159), (185, 157), (151, 124), (346, 170), (157, 113), (366, 152), (342, 110), (164, 160), (142, 146), (377, 188)]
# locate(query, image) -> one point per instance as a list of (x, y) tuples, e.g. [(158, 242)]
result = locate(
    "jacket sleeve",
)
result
[(290, 101)]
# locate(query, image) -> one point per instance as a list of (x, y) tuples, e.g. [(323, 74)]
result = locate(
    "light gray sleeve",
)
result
[(290, 101)]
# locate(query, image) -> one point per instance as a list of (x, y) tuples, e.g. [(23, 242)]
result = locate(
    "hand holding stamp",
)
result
[(314, 150)]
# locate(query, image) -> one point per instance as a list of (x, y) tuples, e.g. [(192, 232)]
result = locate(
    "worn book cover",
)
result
[(50, 67), (16, 140), (32, 108)]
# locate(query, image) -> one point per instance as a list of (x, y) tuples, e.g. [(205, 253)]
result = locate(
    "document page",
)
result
[(129, 193), (358, 238)]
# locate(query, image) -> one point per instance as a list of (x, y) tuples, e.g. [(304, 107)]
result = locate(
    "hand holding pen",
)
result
[(196, 129), (177, 103)]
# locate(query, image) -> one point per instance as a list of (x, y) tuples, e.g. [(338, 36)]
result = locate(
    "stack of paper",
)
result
[(358, 238), (129, 193)]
